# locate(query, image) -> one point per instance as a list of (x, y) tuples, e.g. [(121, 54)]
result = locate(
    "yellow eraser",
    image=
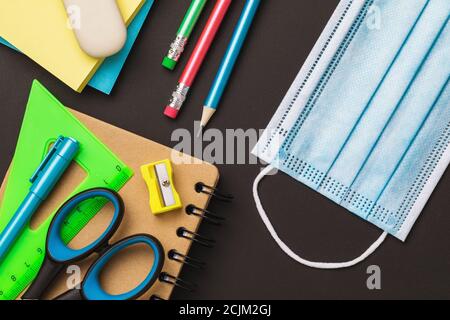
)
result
[(159, 179)]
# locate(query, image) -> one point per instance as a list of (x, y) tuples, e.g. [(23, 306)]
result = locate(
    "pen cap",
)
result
[(53, 166), (68, 149)]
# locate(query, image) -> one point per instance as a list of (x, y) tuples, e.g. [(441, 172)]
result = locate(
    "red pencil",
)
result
[(197, 58)]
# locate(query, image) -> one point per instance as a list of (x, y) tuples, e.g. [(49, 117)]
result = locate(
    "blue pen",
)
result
[(43, 181), (228, 62)]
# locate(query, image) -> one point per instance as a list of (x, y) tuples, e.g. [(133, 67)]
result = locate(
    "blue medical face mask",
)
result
[(367, 121)]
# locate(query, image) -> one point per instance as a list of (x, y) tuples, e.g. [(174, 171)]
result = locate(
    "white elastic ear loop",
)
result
[(288, 251)]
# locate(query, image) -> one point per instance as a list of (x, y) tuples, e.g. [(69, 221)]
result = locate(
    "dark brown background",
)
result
[(246, 263)]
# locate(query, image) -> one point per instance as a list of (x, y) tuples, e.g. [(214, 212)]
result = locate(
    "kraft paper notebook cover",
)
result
[(134, 151), (39, 29)]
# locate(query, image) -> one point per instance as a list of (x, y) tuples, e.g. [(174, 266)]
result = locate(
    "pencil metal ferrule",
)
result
[(179, 96), (177, 48)]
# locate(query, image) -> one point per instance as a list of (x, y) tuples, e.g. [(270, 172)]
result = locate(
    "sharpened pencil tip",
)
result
[(200, 131)]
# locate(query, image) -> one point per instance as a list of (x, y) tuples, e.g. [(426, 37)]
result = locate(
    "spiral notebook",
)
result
[(124, 273)]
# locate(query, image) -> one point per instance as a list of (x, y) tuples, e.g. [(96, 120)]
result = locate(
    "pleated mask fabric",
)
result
[(367, 121)]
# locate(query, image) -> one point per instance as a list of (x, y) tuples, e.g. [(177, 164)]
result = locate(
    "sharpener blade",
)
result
[(164, 185)]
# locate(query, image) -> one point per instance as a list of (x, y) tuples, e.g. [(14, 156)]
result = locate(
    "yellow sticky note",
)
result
[(40, 29)]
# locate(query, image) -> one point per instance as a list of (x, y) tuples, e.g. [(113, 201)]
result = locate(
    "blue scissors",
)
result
[(59, 255)]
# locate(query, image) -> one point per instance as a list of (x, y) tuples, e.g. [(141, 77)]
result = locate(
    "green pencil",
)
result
[(183, 34)]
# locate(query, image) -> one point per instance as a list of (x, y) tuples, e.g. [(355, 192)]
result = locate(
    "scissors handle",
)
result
[(71, 295), (58, 250), (58, 254), (46, 275), (91, 286)]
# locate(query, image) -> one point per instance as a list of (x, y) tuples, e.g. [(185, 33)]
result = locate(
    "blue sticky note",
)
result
[(6, 43), (106, 76)]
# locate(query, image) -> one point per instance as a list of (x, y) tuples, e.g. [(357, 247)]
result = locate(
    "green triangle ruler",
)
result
[(46, 119)]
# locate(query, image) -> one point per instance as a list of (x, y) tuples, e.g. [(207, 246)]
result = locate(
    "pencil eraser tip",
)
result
[(169, 63), (171, 112)]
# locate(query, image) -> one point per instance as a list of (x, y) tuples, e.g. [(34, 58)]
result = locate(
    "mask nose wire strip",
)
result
[(293, 255)]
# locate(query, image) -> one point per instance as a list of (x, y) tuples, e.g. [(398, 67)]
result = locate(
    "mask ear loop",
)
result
[(288, 251)]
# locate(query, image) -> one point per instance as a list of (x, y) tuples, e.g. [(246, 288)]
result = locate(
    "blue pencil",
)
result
[(228, 62)]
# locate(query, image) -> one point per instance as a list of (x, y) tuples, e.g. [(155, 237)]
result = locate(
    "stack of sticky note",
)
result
[(40, 30)]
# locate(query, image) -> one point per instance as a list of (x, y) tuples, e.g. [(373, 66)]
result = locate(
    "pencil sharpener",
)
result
[(159, 179)]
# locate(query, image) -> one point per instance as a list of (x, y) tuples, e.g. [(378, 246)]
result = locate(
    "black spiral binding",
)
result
[(195, 237), (208, 216), (181, 258), (177, 282), (182, 232), (200, 187)]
